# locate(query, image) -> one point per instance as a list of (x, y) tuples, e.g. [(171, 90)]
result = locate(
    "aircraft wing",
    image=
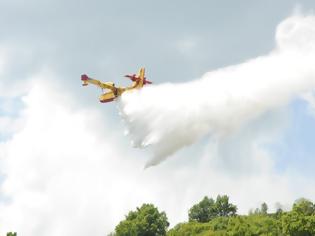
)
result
[(107, 85)]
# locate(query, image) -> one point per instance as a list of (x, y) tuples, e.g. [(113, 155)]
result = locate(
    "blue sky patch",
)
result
[(296, 150)]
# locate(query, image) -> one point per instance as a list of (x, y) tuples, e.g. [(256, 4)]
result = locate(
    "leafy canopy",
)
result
[(145, 221), (207, 209)]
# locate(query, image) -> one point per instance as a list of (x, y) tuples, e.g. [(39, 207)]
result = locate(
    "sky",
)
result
[(66, 166)]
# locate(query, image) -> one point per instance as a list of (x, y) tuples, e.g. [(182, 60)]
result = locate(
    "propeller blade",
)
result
[(132, 77)]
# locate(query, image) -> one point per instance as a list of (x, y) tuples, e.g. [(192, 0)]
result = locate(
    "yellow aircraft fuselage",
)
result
[(114, 92)]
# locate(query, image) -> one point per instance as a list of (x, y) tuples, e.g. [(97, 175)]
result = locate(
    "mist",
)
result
[(168, 117)]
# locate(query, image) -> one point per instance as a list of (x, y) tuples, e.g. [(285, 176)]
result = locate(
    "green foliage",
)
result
[(204, 211), (223, 207), (12, 234), (207, 209), (253, 225), (301, 220), (304, 207), (191, 228), (145, 221), (235, 225), (264, 208), (279, 209), (298, 222), (218, 217)]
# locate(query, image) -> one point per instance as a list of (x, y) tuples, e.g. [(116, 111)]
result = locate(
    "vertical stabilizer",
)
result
[(141, 78)]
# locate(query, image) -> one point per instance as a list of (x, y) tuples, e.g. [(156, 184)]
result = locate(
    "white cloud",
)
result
[(49, 166), (9, 125), (66, 174)]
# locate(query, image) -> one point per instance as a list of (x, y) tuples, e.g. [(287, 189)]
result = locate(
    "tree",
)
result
[(264, 208), (11, 234), (207, 209), (145, 221), (204, 211), (223, 207), (257, 211), (301, 220), (304, 206)]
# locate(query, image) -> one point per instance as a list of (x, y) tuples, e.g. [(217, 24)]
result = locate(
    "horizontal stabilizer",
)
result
[(84, 79)]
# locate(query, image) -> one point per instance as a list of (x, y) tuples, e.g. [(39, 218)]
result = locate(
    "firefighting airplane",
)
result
[(138, 81)]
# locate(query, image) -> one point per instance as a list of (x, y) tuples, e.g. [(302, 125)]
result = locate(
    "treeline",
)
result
[(219, 217)]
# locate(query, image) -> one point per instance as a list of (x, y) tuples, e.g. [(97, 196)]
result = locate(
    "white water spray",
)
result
[(170, 116)]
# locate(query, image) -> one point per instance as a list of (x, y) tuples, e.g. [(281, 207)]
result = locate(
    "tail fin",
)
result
[(84, 79), (141, 77), (139, 80)]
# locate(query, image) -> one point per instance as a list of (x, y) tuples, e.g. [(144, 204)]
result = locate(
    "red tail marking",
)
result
[(84, 77)]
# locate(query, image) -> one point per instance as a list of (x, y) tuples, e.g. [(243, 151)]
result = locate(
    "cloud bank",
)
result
[(64, 173), (57, 169), (168, 117)]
